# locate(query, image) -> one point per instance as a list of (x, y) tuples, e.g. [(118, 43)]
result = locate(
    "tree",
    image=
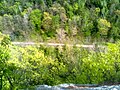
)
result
[(35, 18), (4, 57)]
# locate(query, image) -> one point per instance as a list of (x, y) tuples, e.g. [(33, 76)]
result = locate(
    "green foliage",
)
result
[(23, 67), (41, 20), (103, 26), (82, 66), (4, 57), (35, 18), (78, 19)]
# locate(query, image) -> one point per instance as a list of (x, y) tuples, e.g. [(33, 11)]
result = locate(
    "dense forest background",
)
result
[(61, 20)]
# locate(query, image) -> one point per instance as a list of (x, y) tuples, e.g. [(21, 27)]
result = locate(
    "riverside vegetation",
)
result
[(23, 67)]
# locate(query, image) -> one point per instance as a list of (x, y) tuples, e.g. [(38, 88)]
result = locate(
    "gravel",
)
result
[(77, 87)]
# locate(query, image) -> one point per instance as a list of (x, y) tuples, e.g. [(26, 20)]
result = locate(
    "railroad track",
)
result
[(55, 44), (51, 44)]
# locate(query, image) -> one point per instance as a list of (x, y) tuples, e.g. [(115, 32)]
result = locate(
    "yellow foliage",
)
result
[(97, 10), (104, 22), (103, 26)]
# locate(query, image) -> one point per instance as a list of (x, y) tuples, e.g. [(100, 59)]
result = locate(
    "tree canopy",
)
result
[(86, 20)]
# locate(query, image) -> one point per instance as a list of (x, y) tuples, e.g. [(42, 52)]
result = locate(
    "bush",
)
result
[(30, 66)]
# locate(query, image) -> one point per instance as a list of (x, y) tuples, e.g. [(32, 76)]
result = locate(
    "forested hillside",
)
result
[(60, 20)]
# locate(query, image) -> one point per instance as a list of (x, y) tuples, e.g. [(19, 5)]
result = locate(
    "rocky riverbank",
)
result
[(77, 87)]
